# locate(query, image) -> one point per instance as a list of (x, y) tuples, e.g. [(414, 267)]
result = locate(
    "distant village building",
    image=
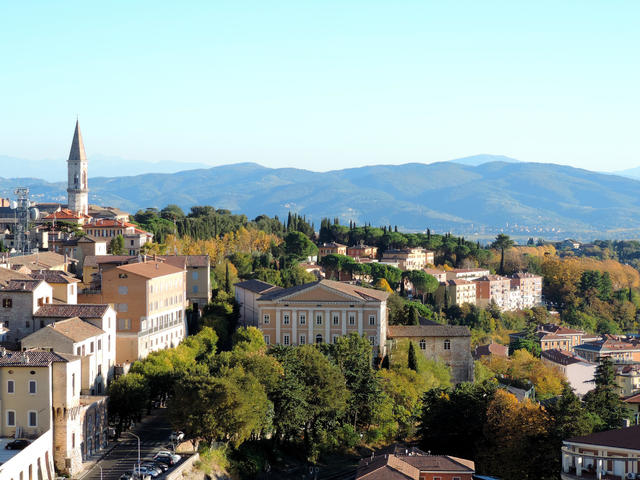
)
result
[(78, 248), (493, 289), (450, 344), (456, 292), (409, 258), (490, 350), (619, 351), (362, 251), (331, 248), (440, 275), (551, 336), (105, 229)]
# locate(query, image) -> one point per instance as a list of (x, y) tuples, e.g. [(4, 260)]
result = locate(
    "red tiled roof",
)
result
[(67, 310), (64, 214), (628, 438), (150, 269), (31, 358)]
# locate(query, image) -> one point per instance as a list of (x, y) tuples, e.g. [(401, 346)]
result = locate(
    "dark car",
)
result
[(162, 466), (18, 444)]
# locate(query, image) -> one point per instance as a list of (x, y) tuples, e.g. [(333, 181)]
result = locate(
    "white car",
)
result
[(176, 437), (147, 471), (167, 457)]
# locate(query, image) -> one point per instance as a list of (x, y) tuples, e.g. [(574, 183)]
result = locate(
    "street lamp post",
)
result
[(100, 467), (138, 449)]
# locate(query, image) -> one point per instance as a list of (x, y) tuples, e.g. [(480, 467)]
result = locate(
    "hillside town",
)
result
[(107, 316)]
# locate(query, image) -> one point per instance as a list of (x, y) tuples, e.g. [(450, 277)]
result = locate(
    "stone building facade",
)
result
[(450, 344)]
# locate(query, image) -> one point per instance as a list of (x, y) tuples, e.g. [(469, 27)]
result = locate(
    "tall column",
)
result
[(343, 322), (278, 320), (294, 326), (311, 321), (360, 314), (327, 325)]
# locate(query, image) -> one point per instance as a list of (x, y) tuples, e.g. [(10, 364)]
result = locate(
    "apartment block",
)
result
[(150, 301), (362, 251), (322, 311), (530, 288), (493, 289), (456, 292)]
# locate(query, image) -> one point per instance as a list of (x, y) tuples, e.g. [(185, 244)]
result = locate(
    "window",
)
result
[(352, 319), (27, 324), (11, 418), (266, 340), (132, 243), (285, 319), (73, 440), (456, 478), (285, 340), (318, 338), (99, 369), (99, 344), (318, 319), (7, 303), (265, 319), (33, 418), (303, 319), (447, 344), (41, 323), (124, 324), (423, 344), (91, 347), (336, 320), (195, 289), (303, 339), (11, 386), (194, 275), (122, 307), (123, 290), (372, 319), (78, 351), (372, 340), (335, 339), (33, 387)]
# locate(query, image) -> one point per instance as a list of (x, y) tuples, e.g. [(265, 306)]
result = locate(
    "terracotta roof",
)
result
[(191, 260), (74, 328), (54, 276), (492, 278), (36, 261), (150, 269), (459, 281), (67, 310), (31, 358), (410, 465), (405, 331), (95, 260), (439, 463), (491, 349), (64, 214), (635, 398), (332, 245), (628, 438), (21, 285), (7, 274), (107, 223), (561, 357), (257, 286), (361, 293)]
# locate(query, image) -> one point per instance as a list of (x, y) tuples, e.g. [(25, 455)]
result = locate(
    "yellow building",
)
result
[(322, 311)]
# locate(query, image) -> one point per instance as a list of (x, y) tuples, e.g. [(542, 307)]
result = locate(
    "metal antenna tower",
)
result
[(22, 218)]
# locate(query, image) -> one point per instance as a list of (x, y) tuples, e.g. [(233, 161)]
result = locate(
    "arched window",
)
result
[(447, 344), (318, 338), (75, 180), (84, 179), (423, 344)]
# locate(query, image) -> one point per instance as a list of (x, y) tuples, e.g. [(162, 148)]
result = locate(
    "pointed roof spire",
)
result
[(77, 147)]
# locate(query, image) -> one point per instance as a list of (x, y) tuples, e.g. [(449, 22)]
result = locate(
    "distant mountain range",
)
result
[(523, 199)]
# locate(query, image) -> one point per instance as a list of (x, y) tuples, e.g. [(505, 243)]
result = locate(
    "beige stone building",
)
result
[(247, 294), (331, 248), (19, 300), (65, 287), (38, 261), (88, 342), (530, 288), (78, 248), (409, 258), (450, 344), (467, 273), (149, 299), (456, 292), (39, 392), (321, 312)]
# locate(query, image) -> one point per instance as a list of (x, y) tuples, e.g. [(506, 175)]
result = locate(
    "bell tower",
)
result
[(77, 184)]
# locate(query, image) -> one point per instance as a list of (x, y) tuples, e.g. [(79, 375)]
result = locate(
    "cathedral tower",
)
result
[(77, 185)]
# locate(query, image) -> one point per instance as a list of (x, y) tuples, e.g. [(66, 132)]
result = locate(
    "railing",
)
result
[(155, 329)]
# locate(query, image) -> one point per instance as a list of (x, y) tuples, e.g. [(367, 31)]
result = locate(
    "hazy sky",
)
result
[(323, 84)]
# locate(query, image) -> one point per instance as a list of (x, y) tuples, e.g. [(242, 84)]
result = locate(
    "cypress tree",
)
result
[(227, 279), (412, 359)]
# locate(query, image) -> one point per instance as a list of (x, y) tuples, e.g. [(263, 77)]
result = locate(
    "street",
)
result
[(154, 433)]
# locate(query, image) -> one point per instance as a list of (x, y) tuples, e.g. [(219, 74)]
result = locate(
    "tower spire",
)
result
[(77, 152)]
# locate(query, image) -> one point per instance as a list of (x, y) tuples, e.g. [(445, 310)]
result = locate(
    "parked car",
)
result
[(162, 466), (167, 457), (18, 444), (134, 476), (151, 466), (176, 436), (148, 471)]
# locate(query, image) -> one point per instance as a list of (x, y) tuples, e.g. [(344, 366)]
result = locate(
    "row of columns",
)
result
[(327, 319)]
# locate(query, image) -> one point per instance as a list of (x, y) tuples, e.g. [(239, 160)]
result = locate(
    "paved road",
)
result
[(154, 433)]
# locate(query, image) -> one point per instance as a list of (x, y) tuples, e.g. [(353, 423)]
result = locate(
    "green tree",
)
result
[(172, 212), (604, 400), (128, 395), (412, 361), (227, 279), (116, 245), (423, 282), (502, 243), (298, 246)]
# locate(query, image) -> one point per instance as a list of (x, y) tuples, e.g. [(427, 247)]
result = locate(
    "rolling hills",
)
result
[(526, 199)]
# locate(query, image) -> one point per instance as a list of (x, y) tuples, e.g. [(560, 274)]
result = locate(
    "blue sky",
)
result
[(323, 84)]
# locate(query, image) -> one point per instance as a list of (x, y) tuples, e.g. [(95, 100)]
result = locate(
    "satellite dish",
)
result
[(13, 205), (34, 213)]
